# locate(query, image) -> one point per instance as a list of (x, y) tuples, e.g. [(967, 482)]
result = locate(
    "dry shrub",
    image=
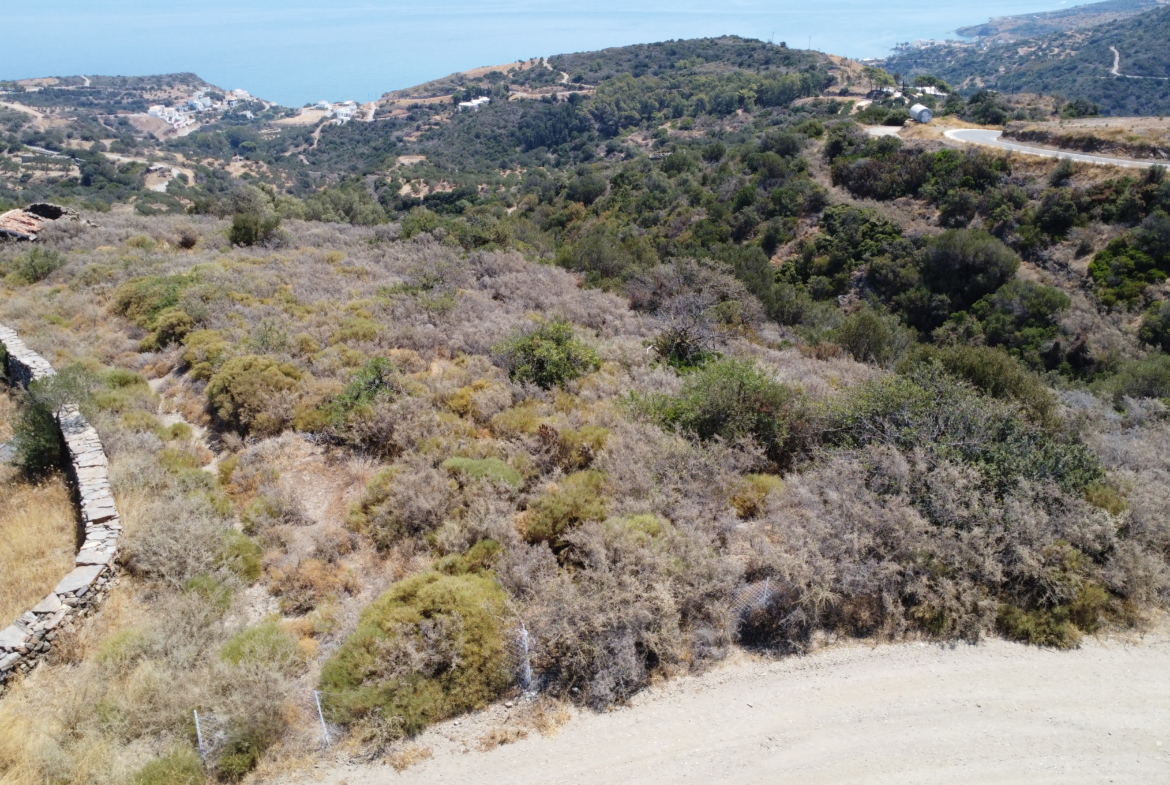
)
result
[(879, 542), (390, 428), (408, 499), (649, 470), (308, 583), (408, 755), (544, 715), (171, 536), (498, 737), (276, 505), (376, 733), (642, 596)]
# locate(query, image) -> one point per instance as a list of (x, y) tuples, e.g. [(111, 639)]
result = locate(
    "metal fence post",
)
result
[(321, 716), (199, 735)]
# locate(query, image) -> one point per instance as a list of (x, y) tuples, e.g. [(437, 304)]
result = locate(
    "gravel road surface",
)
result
[(996, 712)]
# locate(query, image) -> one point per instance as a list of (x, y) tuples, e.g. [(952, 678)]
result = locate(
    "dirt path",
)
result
[(911, 713), (1116, 69)]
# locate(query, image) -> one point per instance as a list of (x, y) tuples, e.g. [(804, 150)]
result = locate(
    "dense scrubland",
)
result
[(742, 378)]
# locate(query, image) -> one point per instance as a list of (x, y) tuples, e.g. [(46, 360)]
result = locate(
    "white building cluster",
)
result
[(342, 113), (180, 117)]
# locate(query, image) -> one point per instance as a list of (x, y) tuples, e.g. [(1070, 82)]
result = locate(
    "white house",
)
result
[(474, 104)]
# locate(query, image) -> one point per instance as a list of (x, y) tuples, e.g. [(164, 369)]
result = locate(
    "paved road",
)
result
[(992, 139)]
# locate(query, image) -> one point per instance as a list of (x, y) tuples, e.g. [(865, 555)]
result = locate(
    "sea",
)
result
[(295, 51)]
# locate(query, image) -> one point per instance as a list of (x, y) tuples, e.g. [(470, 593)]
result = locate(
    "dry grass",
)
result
[(544, 715), (498, 737), (38, 542), (408, 756), (7, 407)]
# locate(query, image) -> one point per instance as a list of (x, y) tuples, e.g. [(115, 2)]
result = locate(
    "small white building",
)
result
[(930, 90), (474, 104)]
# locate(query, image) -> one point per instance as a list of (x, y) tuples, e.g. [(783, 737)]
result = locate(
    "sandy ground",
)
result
[(997, 712)]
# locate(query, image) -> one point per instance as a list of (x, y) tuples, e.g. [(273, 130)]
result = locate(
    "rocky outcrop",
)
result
[(83, 589)]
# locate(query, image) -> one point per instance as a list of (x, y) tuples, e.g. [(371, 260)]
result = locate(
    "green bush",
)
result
[(1155, 327), (248, 229), (872, 336), (34, 266), (578, 498), (35, 433), (204, 351), (1122, 272), (490, 469), (180, 766), (242, 749), (377, 380), (267, 644), (172, 326), (965, 265), (142, 300), (241, 392), (241, 555), (1023, 317), (993, 372), (732, 399), (942, 417), (1044, 627), (548, 356), (1145, 378), (431, 647)]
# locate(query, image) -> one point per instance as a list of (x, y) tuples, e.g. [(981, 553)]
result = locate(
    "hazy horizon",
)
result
[(297, 52)]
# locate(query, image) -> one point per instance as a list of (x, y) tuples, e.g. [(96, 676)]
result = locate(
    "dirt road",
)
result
[(911, 713), (1116, 69), (990, 138)]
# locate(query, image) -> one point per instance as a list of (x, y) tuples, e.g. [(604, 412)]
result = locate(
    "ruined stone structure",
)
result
[(82, 590)]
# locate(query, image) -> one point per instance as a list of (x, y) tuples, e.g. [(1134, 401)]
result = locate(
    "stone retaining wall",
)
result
[(82, 590)]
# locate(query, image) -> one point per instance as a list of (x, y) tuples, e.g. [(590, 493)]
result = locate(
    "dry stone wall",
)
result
[(82, 590)]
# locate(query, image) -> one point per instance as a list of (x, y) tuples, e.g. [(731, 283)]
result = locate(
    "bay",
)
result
[(295, 51)]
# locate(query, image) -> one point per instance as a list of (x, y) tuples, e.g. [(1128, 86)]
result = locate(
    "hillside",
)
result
[(1077, 64), (420, 411), (1014, 28)]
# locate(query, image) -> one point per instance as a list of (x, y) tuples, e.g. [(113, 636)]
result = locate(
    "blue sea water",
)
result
[(296, 51)]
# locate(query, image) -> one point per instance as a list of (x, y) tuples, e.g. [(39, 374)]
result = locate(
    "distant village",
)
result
[(184, 116)]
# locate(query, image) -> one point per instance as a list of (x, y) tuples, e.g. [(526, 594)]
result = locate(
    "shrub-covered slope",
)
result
[(1076, 64)]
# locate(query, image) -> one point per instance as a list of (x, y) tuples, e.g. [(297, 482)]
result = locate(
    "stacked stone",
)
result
[(23, 643), (24, 365)]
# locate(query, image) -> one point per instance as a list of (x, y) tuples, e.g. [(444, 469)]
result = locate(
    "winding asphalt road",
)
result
[(992, 139)]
